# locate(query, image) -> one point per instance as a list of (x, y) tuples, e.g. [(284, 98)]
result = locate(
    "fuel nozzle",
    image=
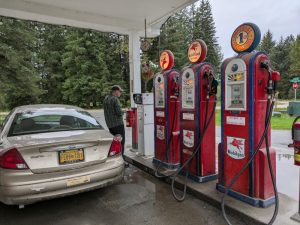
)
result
[(274, 77), (265, 64), (212, 84), (176, 86)]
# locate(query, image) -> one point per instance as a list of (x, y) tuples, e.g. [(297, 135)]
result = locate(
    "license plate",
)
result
[(71, 156), (78, 181)]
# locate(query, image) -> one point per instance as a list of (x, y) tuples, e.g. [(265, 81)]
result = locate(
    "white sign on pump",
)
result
[(235, 120)]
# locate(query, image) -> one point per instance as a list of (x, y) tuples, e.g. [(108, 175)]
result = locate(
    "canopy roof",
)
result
[(120, 16)]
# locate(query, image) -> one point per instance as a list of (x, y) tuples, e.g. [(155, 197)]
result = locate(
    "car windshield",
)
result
[(52, 120)]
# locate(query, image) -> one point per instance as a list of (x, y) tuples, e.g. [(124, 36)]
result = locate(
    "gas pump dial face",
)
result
[(188, 89), (235, 82), (159, 91)]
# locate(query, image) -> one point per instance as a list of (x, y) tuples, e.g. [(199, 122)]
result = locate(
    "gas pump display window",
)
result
[(159, 91), (235, 81), (188, 89)]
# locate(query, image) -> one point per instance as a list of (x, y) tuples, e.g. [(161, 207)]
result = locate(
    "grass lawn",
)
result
[(278, 123)]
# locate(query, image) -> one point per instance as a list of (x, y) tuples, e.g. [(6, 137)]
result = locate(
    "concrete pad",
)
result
[(207, 192)]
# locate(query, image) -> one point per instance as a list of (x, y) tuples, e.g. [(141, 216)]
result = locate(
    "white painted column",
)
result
[(134, 64)]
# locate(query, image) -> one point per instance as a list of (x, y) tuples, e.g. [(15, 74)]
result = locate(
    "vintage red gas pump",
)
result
[(131, 121), (166, 113), (248, 95), (198, 89)]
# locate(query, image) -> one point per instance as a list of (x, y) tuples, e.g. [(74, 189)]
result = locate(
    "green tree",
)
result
[(267, 44), (176, 36), (116, 58), (204, 28), (87, 75), (50, 48), (294, 58), (280, 59), (19, 81)]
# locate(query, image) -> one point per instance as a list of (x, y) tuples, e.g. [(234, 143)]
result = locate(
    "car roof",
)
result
[(45, 106)]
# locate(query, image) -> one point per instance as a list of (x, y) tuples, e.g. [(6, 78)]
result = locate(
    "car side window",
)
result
[(5, 121)]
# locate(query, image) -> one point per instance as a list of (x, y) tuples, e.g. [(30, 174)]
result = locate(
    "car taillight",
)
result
[(116, 146), (12, 159)]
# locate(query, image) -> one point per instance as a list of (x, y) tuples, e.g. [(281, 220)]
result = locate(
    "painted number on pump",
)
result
[(236, 147)]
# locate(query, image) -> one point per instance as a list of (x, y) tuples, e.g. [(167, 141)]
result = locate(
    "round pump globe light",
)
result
[(166, 60), (197, 51), (245, 38)]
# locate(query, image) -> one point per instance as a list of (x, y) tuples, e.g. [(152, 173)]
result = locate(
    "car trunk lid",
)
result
[(65, 150)]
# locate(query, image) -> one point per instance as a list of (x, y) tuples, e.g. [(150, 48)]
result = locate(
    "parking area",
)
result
[(139, 199)]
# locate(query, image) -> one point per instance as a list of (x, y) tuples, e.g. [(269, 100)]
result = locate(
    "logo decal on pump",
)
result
[(166, 60), (236, 147), (188, 138), (245, 38), (160, 132), (197, 51)]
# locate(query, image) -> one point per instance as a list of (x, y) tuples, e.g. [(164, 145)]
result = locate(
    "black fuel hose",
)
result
[(206, 125), (269, 110), (273, 179)]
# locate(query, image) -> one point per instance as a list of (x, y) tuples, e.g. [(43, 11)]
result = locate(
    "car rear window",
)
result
[(51, 120)]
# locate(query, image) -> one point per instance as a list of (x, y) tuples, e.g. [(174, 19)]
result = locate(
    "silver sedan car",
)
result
[(49, 151)]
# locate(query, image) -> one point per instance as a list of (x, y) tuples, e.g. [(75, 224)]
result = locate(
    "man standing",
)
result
[(114, 114)]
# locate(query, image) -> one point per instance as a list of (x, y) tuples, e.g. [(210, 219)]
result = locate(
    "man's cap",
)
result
[(116, 88)]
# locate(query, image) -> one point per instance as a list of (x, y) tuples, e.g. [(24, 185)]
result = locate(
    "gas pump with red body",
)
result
[(131, 121), (248, 87), (166, 113), (198, 90)]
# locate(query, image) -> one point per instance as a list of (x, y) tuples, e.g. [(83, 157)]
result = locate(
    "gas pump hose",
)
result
[(269, 110), (188, 162)]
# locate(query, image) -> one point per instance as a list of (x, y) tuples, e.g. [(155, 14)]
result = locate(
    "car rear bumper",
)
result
[(84, 181)]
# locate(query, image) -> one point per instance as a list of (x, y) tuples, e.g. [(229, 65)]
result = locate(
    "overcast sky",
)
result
[(282, 17)]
